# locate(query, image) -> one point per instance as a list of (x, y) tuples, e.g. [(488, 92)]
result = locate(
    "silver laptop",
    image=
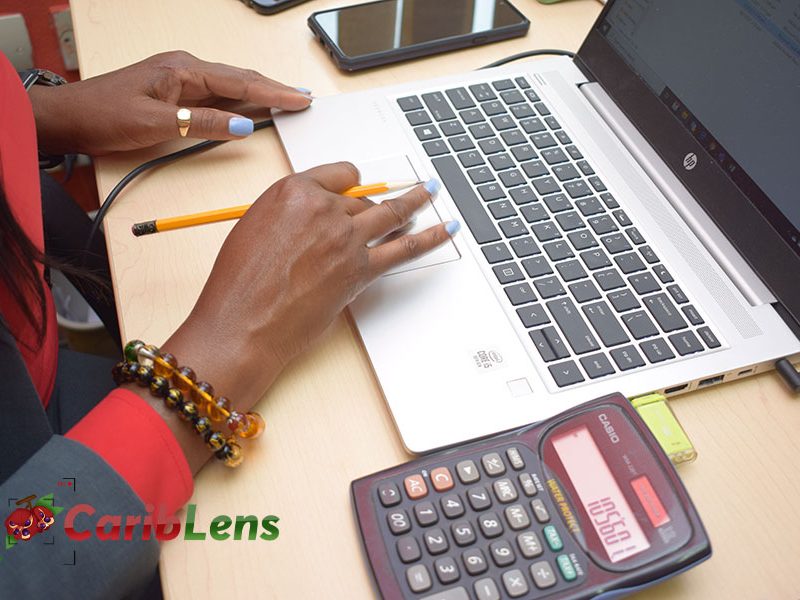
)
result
[(630, 218)]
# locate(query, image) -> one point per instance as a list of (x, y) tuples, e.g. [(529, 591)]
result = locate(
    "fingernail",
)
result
[(241, 126), (433, 186), (303, 90), (452, 227)]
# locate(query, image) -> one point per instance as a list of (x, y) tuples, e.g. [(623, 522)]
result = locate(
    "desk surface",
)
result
[(327, 422)]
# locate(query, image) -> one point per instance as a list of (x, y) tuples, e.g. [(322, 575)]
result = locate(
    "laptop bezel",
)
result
[(734, 211)]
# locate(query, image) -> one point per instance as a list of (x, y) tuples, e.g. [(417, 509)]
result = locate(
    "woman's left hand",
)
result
[(137, 106)]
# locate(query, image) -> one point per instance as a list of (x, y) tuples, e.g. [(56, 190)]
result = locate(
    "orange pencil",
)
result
[(236, 212)]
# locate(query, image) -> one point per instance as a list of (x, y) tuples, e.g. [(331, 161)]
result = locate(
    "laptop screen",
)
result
[(729, 72)]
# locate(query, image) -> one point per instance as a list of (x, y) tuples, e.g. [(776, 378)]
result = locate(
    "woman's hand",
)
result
[(137, 106)]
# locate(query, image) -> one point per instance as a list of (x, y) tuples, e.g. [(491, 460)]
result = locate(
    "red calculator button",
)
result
[(415, 486), (442, 479), (650, 501)]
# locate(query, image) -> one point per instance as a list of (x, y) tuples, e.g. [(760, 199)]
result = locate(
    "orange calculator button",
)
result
[(442, 479), (415, 486)]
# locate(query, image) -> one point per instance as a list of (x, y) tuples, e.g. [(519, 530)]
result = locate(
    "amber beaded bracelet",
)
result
[(149, 367)]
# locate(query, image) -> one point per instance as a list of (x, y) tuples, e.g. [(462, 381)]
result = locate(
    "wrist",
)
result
[(53, 122)]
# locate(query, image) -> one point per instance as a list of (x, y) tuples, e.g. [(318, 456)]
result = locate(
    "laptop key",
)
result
[(569, 221), (566, 373), (418, 117), (623, 300), (615, 243), (502, 209), (480, 175), (546, 231), (491, 191), (554, 156), (542, 109), (409, 103), (513, 227), (563, 137), (572, 325), (685, 342), (627, 358), (482, 92), (460, 98), (597, 184), (511, 178), (677, 294), (532, 96), (471, 116), (496, 253), (597, 365), (491, 146), (634, 235), (585, 167), (610, 201), (589, 206), (574, 152), (565, 172), (708, 337), (602, 224), (481, 131), (662, 273), (533, 125), (534, 213), (495, 107), (595, 259), (584, 291), (523, 152), (522, 83), (549, 287), (536, 266), (503, 84), (639, 324), (664, 312), (512, 97), (524, 246), (508, 273), (582, 239), (533, 315), (460, 143), (500, 162), (521, 111), (520, 293), (577, 189), (605, 323), (644, 283), (629, 263), (552, 122), (513, 138), (609, 280), (472, 211), (427, 132), (622, 218), (534, 168), (648, 254), (545, 185), (550, 346), (656, 350), (522, 195), (558, 250), (436, 148), (438, 105), (503, 122), (557, 203), (543, 140), (570, 270)]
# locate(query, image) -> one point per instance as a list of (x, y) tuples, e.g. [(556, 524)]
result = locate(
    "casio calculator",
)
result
[(582, 505)]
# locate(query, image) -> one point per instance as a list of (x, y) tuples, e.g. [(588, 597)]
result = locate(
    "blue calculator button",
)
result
[(566, 567), (553, 539)]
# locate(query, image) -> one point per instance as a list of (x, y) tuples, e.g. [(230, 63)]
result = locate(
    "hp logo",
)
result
[(690, 161)]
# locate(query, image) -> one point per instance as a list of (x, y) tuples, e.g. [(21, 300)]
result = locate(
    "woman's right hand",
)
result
[(287, 269)]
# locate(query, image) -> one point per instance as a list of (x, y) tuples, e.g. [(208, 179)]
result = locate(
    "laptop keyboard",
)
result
[(590, 292)]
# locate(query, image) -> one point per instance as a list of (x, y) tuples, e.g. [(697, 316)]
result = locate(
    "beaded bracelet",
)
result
[(148, 367)]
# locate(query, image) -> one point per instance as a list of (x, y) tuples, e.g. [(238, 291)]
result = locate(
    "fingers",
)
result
[(410, 246), (393, 214), (335, 177), (206, 123)]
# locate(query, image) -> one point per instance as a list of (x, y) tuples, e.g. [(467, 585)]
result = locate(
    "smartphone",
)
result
[(387, 31), (270, 7)]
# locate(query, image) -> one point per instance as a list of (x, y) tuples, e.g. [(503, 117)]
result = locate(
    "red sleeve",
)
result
[(145, 453)]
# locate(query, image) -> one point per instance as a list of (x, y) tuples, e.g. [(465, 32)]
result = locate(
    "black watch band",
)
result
[(33, 77)]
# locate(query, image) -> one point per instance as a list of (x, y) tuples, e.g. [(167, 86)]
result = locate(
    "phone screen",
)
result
[(391, 24)]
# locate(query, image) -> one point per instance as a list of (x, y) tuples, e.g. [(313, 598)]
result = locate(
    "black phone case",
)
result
[(273, 7), (349, 63)]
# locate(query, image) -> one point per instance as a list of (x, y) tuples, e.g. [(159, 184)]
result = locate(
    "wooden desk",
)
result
[(327, 422)]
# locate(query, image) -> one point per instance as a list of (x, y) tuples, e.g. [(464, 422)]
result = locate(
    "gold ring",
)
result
[(184, 117)]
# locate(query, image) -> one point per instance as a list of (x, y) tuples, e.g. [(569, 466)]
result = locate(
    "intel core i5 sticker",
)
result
[(487, 360)]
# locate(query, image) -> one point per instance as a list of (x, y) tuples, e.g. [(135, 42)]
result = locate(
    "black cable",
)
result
[(789, 373), (528, 54), (161, 160)]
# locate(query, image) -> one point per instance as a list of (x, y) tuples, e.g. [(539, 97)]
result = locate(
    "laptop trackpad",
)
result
[(401, 168)]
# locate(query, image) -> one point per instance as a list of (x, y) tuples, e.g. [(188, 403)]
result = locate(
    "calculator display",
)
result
[(610, 514)]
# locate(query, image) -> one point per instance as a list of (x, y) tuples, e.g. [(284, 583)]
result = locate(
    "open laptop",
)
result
[(630, 217)]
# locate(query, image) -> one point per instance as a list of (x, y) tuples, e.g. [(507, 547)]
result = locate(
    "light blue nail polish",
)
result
[(452, 227), (240, 126), (433, 186), (303, 90)]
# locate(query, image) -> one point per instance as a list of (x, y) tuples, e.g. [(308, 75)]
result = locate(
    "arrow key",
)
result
[(566, 373)]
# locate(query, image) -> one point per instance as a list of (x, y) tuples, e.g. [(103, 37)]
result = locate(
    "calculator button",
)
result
[(452, 506), (389, 494), (467, 471), (479, 498), (408, 549), (442, 479), (493, 464), (398, 522), (540, 511), (553, 539), (415, 486), (418, 578), (474, 561), (463, 533), (446, 570), (566, 567), (458, 593), (517, 517), (486, 589), (502, 554), (543, 575), (529, 544), (515, 458), (490, 525), (528, 486), (505, 491), (436, 541), (426, 514), (515, 584)]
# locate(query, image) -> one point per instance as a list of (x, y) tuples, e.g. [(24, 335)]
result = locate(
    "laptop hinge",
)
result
[(726, 255)]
